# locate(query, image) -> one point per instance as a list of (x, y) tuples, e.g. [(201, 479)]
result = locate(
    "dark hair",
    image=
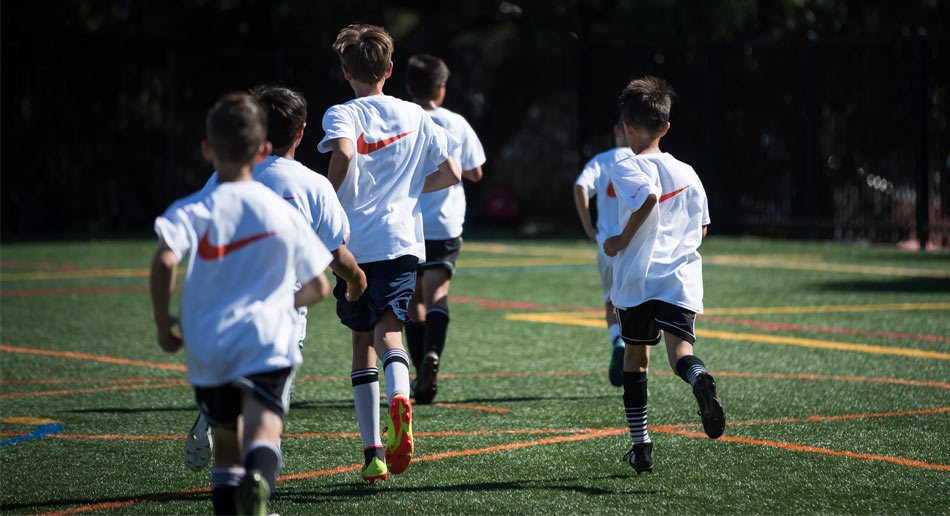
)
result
[(236, 128), (366, 51), (645, 103), (286, 113), (424, 74)]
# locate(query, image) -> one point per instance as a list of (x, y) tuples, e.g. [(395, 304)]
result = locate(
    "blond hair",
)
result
[(366, 51)]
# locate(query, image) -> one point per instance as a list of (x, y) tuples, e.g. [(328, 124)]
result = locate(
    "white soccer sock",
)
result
[(396, 369), (614, 331), (366, 401), (637, 423)]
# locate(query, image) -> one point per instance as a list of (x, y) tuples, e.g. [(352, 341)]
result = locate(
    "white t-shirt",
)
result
[(308, 191), (247, 246), (396, 145), (662, 261), (443, 211), (596, 182)]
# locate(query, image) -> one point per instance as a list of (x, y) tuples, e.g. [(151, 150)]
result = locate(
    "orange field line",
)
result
[(92, 389), (812, 449), (85, 380), (473, 407), (96, 358)]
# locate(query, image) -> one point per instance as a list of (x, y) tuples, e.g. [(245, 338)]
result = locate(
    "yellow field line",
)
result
[(771, 262), (590, 320)]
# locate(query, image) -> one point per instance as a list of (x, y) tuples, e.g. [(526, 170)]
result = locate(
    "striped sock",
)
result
[(635, 405), (396, 368), (366, 400), (689, 368)]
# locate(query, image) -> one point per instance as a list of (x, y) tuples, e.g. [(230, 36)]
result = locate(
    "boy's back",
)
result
[(662, 261), (396, 145), (247, 247)]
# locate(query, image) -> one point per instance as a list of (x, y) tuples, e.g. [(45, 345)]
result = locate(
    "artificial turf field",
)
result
[(832, 363)]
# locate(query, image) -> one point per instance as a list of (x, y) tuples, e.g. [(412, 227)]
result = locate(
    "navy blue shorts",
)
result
[(223, 404), (641, 324), (441, 254), (389, 284)]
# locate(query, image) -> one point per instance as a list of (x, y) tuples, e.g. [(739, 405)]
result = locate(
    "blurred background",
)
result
[(818, 119)]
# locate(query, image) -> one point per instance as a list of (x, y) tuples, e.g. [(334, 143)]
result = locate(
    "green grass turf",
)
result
[(693, 475)]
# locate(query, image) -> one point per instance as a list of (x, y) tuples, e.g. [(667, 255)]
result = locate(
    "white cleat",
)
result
[(199, 444)]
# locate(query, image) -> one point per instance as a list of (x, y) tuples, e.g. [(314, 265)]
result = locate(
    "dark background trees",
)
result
[(805, 118)]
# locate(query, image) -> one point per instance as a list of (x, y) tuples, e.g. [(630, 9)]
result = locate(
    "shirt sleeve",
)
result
[(312, 256), (337, 123), (472, 153), (588, 178), (210, 184), (174, 227), (329, 219), (632, 184), (440, 144)]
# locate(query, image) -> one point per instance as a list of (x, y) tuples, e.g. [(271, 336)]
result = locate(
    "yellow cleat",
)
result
[(399, 436)]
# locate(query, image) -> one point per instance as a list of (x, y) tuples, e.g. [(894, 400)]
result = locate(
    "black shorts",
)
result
[(222, 404), (442, 254), (641, 324), (389, 284)]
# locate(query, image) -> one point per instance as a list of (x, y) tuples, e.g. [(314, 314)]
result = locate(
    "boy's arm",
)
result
[(344, 265), (312, 292), (473, 174), (617, 243), (447, 175), (339, 161), (582, 203), (161, 283)]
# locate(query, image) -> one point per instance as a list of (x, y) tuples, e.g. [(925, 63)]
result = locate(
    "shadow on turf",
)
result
[(143, 498), (348, 404), (910, 285), (126, 410), (346, 490)]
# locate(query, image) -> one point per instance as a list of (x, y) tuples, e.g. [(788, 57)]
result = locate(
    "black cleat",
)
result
[(640, 457), (424, 386), (710, 408)]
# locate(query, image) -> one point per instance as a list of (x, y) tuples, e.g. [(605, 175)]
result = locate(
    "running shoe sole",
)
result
[(399, 444), (199, 444), (710, 408)]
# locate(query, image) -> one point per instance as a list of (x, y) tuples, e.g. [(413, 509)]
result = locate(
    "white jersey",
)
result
[(396, 145), (596, 182), (247, 246), (662, 261), (443, 211), (308, 191)]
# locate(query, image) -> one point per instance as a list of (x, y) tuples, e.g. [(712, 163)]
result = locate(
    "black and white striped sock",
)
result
[(689, 368), (635, 405)]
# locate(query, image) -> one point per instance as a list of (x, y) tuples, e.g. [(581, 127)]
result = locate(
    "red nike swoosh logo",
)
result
[(208, 251), (610, 190), (671, 194), (365, 148)]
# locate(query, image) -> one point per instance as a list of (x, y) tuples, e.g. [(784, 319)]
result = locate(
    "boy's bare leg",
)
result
[(693, 371), (261, 439), (227, 472)]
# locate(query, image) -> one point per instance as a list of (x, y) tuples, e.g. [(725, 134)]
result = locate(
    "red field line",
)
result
[(815, 419), (92, 389), (806, 376), (125, 503), (86, 356), (472, 407), (38, 265), (29, 292), (810, 449), (84, 380), (774, 326), (494, 304)]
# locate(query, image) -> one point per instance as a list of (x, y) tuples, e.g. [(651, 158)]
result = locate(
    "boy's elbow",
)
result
[(474, 175)]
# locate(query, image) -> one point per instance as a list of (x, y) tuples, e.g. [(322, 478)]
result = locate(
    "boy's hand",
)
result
[(591, 235), (168, 340), (613, 245), (355, 289)]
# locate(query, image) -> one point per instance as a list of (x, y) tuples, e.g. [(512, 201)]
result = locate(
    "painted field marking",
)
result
[(62, 392), (770, 262), (776, 326), (95, 358), (903, 307), (585, 319), (44, 427), (65, 291)]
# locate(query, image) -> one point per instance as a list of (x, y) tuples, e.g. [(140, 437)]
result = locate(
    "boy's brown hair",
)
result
[(286, 114), (645, 103), (366, 51), (424, 75), (236, 128)]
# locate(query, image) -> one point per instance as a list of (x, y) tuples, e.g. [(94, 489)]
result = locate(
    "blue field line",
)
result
[(38, 432)]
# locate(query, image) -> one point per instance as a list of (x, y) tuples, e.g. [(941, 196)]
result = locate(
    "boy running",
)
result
[(658, 274), (382, 148), (594, 181), (443, 213), (312, 195), (247, 246)]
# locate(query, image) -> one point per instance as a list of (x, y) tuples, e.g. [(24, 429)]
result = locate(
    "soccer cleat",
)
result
[(198, 444), (710, 408), (640, 457), (399, 435), (424, 386), (252, 494), (615, 372), (374, 467)]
